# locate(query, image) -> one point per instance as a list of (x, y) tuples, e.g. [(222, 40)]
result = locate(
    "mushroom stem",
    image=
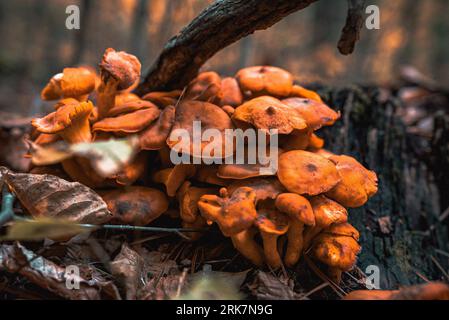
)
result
[(245, 244), (270, 250), (295, 242), (77, 132), (309, 234), (106, 96), (334, 274)]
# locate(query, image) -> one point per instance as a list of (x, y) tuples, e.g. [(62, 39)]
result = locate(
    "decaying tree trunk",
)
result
[(400, 228)]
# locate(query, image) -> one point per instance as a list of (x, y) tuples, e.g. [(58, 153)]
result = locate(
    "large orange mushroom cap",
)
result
[(154, 137), (205, 87), (209, 115), (297, 207), (304, 172), (234, 213), (267, 113), (357, 183), (70, 121), (316, 114), (128, 123), (71, 83), (135, 205), (231, 94), (261, 80), (130, 107)]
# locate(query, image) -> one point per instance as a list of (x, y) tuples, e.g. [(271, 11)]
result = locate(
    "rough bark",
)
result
[(218, 26), (400, 228), (351, 31)]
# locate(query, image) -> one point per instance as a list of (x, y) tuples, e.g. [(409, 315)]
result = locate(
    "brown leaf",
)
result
[(46, 274), (49, 196), (266, 287), (127, 267)]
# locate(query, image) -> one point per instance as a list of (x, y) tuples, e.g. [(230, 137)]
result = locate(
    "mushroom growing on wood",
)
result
[(173, 178), (188, 197), (119, 71), (265, 188), (75, 83), (301, 92), (300, 212), (234, 215), (163, 99), (205, 87), (70, 121), (316, 114), (267, 113), (231, 94), (326, 212), (337, 247), (135, 205), (271, 224), (304, 172), (260, 80), (357, 183), (154, 137)]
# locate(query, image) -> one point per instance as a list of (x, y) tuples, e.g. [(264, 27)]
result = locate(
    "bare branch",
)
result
[(351, 31)]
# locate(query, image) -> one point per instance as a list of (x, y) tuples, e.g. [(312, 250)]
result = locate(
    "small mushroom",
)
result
[(300, 212), (357, 183), (315, 142), (228, 109), (128, 123), (326, 212), (208, 174), (163, 99), (209, 116), (267, 113), (271, 224), (316, 114), (205, 87), (304, 172), (234, 215), (125, 97), (338, 248), (132, 171), (135, 205), (231, 94), (119, 71), (188, 197), (261, 80), (301, 92), (154, 137), (174, 177), (265, 188), (70, 121), (75, 83)]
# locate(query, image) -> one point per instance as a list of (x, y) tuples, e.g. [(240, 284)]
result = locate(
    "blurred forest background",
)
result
[(36, 44)]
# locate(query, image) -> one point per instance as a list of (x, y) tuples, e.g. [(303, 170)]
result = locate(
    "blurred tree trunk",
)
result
[(246, 48), (138, 30), (80, 35), (400, 229)]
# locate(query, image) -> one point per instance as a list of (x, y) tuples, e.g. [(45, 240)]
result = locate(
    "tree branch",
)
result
[(351, 31), (219, 25)]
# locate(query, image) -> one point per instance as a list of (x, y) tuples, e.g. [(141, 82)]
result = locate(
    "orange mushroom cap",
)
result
[(132, 171), (266, 113), (297, 140), (125, 97), (327, 211), (357, 183), (71, 83), (163, 99), (272, 221), (205, 87), (173, 178), (265, 188), (188, 197), (297, 207), (232, 214), (265, 80), (304, 172), (315, 142), (70, 121), (210, 116), (231, 94), (298, 91), (316, 114), (128, 123), (135, 205), (208, 174), (122, 66), (130, 106), (154, 137)]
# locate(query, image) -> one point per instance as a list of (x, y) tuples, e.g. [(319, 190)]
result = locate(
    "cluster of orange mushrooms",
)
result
[(271, 219)]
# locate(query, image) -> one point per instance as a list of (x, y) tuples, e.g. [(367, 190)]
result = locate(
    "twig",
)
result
[(351, 31)]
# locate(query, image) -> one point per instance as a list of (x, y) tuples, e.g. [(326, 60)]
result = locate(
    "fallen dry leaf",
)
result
[(49, 196), (267, 287), (48, 275), (106, 157), (44, 228)]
